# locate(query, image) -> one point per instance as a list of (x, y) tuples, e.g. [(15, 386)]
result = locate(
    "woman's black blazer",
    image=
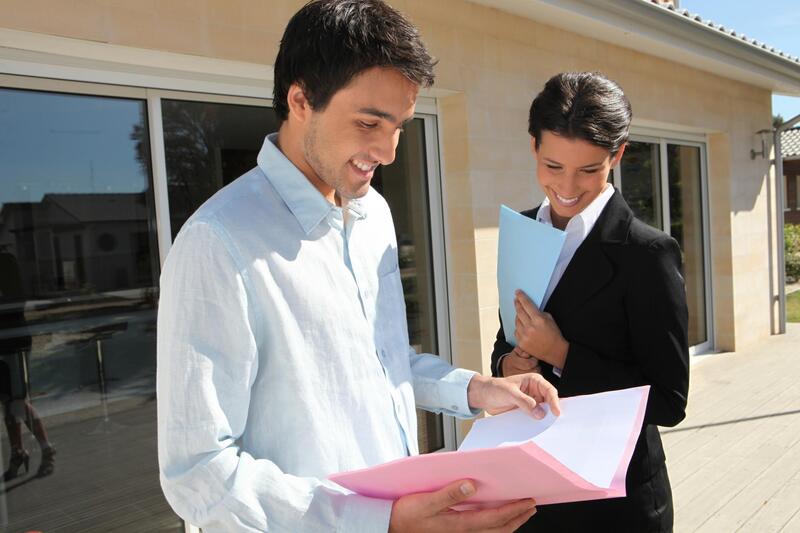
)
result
[(621, 304)]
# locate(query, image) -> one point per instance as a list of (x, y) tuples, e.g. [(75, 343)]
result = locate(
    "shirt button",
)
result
[(454, 407)]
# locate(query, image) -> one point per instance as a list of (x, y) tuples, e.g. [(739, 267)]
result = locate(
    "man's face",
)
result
[(359, 129), (571, 172)]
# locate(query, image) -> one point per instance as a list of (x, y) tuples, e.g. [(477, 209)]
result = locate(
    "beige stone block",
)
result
[(466, 324), (467, 354), (226, 42), (171, 11), (225, 12), (465, 290), (137, 28), (487, 290), (30, 15), (81, 19), (460, 223), (455, 153), (457, 189), (260, 46), (486, 188), (486, 257), (461, 258), (469, 49), (269, 16), (489, 155), (486, 217), (187, 36)]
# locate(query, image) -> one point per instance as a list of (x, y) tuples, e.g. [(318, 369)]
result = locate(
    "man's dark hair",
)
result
[(329, 42), (582, 105)]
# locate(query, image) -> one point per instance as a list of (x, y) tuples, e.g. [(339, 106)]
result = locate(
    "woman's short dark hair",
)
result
[(582, 105), (329, 42)]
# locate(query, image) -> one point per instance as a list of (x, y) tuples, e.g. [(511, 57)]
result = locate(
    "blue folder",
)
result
[(527, 254)]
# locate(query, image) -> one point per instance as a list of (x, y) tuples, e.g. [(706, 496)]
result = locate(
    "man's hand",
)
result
[(538, 334), (524, 391), (431, 512), (518, 361)]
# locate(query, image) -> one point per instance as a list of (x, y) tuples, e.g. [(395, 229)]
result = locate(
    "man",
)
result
[(283, 350)]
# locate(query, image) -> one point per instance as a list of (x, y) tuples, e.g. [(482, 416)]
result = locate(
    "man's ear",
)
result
[(299, 106), (534, 149)]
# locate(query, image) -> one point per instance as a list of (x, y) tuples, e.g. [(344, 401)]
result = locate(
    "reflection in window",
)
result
[(404, 184), (686, 226), (641, 181), (207, 146), (78, 292)]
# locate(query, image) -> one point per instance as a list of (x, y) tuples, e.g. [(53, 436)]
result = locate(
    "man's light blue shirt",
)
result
[(283, 357)]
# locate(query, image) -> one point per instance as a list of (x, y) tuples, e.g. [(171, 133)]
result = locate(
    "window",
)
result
[(208, 145), (662, 181), (786, 200), (78, 293), (86, 211), (797, 192), (405, 186)]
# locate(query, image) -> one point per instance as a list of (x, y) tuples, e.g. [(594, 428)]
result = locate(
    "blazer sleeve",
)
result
[(501, 347), (657, 318)]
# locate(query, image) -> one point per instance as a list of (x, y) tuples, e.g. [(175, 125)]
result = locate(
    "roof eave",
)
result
[(665, 33)]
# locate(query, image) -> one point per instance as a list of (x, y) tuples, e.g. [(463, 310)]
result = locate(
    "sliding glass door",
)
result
[(662, 180), (78, 292)]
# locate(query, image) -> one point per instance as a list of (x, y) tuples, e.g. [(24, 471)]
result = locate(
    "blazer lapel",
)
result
[(590, 268)]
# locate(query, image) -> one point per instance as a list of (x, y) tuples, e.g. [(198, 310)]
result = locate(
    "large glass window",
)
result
[(79, 266), (78, 293), (404, 184), (209, 145), (686, 226), (662, 182), (641, 168)]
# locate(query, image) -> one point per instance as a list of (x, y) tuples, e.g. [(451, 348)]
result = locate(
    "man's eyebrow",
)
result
[(385, 115), (378, 113)]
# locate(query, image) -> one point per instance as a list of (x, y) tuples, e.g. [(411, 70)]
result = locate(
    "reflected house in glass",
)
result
[(54, 238), (112, 134)]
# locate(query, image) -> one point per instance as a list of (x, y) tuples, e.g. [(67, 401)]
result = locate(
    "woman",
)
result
[(615, 312)]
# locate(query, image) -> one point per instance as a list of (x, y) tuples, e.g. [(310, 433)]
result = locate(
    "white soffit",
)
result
[(646, 27)]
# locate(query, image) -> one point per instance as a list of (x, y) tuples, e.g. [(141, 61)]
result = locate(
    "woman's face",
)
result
[(571, 172)]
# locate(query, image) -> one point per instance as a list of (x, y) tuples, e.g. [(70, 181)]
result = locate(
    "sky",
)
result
[(774, 22)]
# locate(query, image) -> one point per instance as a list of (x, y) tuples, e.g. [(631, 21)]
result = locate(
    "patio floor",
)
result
[(734, 462)]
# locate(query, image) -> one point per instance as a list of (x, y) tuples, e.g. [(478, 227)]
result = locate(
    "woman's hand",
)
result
[(538, 334), (518, 361)]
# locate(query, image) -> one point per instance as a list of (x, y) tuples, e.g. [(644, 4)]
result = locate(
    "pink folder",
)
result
[(581, 455)]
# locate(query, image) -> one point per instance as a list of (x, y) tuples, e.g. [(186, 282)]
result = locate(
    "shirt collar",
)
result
[(584, 221), (304, 201)]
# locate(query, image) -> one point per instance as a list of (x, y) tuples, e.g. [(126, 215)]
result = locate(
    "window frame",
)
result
[(662, 139)]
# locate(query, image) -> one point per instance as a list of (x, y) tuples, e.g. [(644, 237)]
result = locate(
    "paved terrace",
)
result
[(734, 463)]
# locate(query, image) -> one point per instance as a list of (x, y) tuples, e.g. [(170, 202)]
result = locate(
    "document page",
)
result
[(589, 437), (526, 257)]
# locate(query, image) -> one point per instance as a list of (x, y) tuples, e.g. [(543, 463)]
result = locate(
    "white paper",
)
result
[(589, 437)]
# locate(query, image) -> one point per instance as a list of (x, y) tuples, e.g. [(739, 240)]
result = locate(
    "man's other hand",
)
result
[(431, 511)]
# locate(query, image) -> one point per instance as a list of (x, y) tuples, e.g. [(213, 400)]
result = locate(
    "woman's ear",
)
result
[(618, 156)]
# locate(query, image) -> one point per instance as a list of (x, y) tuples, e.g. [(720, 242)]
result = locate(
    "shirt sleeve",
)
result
[(439, 387), (207, 363)]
